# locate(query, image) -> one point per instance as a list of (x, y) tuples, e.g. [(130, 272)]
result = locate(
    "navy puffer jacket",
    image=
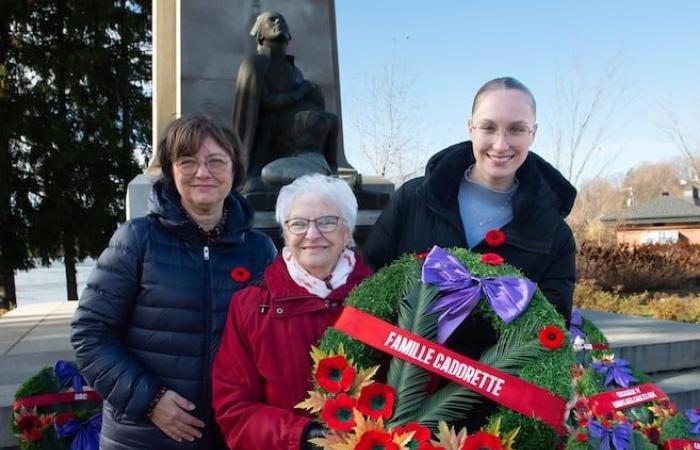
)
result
[(153, 313)]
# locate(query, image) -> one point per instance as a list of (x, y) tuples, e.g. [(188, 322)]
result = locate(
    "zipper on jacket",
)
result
[(206, 410)]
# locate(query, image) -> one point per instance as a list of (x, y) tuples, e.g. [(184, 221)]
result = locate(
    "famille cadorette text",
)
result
[(444, 363)]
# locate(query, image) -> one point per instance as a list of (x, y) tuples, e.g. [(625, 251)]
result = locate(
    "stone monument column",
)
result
[(198, 47)]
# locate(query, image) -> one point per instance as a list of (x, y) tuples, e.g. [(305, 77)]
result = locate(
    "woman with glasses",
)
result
[(492, 182), (262, 367), (153, 312)]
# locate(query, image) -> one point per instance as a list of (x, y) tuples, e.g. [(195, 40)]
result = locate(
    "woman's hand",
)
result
[(169, 415)]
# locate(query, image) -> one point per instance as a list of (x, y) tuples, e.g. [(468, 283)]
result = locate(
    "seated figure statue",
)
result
[(279, 115)]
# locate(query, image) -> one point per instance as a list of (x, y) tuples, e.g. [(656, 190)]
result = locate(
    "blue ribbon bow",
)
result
[(694, 416), (618, 371), (86, 435), (68, 375), (576, 322), (508, 296), (620, 435)]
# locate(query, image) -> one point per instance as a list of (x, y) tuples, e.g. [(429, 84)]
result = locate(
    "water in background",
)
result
[(48, 284)]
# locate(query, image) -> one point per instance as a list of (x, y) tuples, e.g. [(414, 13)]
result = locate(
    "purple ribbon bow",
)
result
[(508, 296), (618, 370), (86, 434), (694, 416), (620, 435), (69, 375), (576, 322)]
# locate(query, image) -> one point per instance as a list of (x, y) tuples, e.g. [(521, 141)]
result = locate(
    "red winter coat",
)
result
[(263, 368)]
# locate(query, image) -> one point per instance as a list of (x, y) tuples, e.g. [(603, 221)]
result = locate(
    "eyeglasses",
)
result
[(216, 165), (515, 133), (324, 224)]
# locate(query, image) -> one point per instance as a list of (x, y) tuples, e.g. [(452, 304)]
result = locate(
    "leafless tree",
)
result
[(388, 135), (585, 115), (687, 142), (596, 198)]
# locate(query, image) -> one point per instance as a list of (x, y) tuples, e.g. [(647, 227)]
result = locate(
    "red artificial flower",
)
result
[(32, 435), (376, 440), (652, 432), (28, 421), (492, 258), (582, 437), (482, 440), (337, 413), (240, 274), (420, 433), (495, 238), (421, 256), (551, 337), (334, 374), (376, 400)]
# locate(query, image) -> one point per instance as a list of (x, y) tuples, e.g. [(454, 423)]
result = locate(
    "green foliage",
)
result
[(677, 427), (74, 107), (410, 381), (517, 352)]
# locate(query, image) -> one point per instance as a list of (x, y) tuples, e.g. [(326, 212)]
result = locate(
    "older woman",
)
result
[(262, 368), (153, 312)]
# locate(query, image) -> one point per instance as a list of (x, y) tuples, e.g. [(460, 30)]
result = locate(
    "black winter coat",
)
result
[(424, 212), (153, 313)]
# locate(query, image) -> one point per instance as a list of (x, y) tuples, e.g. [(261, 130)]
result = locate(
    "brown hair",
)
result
[(184, 136), (504, 83)]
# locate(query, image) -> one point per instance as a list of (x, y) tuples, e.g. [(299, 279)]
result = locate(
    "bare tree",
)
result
[(388, 136), (596, 198), (585, 115), (684, 140)]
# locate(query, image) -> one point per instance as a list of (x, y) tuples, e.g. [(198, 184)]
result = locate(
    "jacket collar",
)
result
[(281, 285), (543, 194), (164, 205)]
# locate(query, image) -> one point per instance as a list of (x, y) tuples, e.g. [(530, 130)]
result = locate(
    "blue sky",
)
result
[(450, 48)]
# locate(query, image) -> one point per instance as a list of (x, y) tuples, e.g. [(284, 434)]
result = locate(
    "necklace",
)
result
[(482, 220)]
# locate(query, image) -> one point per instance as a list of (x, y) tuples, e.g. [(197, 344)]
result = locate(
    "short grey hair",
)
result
[(332, 188)]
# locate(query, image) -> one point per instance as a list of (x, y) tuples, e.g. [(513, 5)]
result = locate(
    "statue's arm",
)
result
[(273, 102)]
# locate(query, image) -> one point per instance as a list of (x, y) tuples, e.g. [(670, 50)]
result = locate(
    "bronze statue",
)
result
[(279, 115)]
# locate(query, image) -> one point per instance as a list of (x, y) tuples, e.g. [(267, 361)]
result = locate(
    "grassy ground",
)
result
[(681, 305)]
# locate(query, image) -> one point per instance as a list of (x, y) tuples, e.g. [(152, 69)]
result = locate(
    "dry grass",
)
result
[(680, 305)]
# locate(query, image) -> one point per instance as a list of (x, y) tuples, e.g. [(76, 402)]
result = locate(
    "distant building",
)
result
[(662, 220)]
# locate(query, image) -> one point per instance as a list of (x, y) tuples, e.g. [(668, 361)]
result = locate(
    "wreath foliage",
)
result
[(518, 350)]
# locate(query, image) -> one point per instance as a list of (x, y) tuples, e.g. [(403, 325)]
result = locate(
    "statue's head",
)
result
[(270, 26)]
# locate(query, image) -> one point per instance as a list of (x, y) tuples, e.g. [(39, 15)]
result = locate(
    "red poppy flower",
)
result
[(32, 435), (376, 400), (421, 256), (334, 374), (28, 421), (495, 238), (420, 434), (482, 441), (376, 440), (581, 437), (492, 258), (240, 274), (551, 337), (337, 413)]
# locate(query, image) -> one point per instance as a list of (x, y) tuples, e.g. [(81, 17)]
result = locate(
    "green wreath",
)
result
[(396, 295), (38, 427)]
